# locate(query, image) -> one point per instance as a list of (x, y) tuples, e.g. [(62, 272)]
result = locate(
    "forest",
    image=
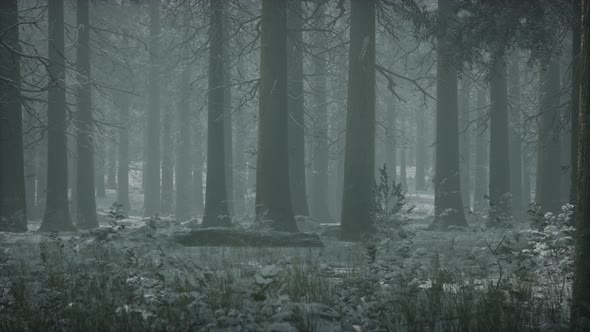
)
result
[(295, 165)]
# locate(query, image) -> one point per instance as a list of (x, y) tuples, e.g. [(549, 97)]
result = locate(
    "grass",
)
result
[(463, 281)]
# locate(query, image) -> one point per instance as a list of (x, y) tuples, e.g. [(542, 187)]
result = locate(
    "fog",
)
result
[(294, 165)]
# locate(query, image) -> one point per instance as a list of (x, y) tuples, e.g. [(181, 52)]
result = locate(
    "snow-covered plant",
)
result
[(549, 257)]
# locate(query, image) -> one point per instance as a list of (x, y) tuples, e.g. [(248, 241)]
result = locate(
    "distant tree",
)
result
[(465, 142), (499, 182), (480, 191), (167, 187), (216, 208), (86, 202), (420, 149), (295, 105), (13, 207), (548, 146), (57, 212), (124, 103), (321, 148), (516, 188), (359, 160), (391, 153), (228, 110), (580, 311), (184, 177), (448, 205), (273, 198), (151, 176)]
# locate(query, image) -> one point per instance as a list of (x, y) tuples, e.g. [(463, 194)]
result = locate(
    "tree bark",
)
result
[(123, 103), (295, 105), (86, 202), (580, 311), (151, 202), (359, 159), (13, 202), (57, 211), (216, 208), (273, 197), (448, 205)]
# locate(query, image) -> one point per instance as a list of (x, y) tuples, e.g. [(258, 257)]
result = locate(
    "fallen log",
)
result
[(233, 237)]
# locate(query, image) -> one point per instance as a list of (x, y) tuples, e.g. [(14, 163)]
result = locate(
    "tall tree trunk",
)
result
[(151, 202), (197, 168), (167, 189), (464, 144), (581, 288), (403, 173), (57, 211), (575, 110), (227, 115), (273, 197), (295, 105), (480, 201), (123, 152), (392, 141), (500, 202), (13, 202), (359, 159), (321, 153), (216, 209), (548, 161), (420, 150), (448, 205), (86, 202), (515, 139), (184, 177)]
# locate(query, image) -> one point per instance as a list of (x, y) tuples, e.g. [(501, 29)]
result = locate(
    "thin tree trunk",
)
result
[(515, 139), (167, 189), (111, 166), (273, 197), (30, 159), (480, 201), (151, 202), (216, 209), (184, 177), (296, 127), (123, 152), (99, 168), (548, 161), (420, 150), (359, 158), (464, 144), (57, 211), (448, 205), (391, 141), (197, 168), (227, 115), (13, 202), (500, 202), (321, 152)]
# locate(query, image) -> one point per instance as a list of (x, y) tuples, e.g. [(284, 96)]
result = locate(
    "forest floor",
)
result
[(131, 275)]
